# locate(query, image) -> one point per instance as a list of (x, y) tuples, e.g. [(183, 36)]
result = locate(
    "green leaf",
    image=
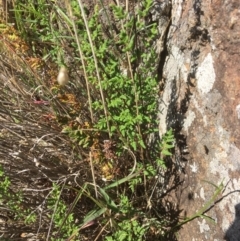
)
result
[(142, 144), (108, 200), (166, 153), (134, 145), (92, 215), (125, 179)]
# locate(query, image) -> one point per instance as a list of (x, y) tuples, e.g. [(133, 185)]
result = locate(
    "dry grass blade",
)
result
[(33, 152), (96, 64), (83, 62)]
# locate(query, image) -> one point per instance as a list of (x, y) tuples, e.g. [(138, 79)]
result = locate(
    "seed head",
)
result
[(63, 78)]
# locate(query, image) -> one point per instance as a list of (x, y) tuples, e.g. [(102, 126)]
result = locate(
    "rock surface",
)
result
[(201, 101)]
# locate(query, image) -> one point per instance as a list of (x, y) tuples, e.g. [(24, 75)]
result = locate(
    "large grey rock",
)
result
[(201, 101)]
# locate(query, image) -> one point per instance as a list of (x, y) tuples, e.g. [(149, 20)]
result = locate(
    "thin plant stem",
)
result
[(83, 63), (54, 211), (93, 174), (96, 64)]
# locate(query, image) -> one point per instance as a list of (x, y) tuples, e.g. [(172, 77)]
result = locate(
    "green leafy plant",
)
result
[(37, 23), (13, 202), (60, 218), (128, 228), (129, 231)]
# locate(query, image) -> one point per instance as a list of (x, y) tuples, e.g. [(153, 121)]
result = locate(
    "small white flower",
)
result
[(194, 167)]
